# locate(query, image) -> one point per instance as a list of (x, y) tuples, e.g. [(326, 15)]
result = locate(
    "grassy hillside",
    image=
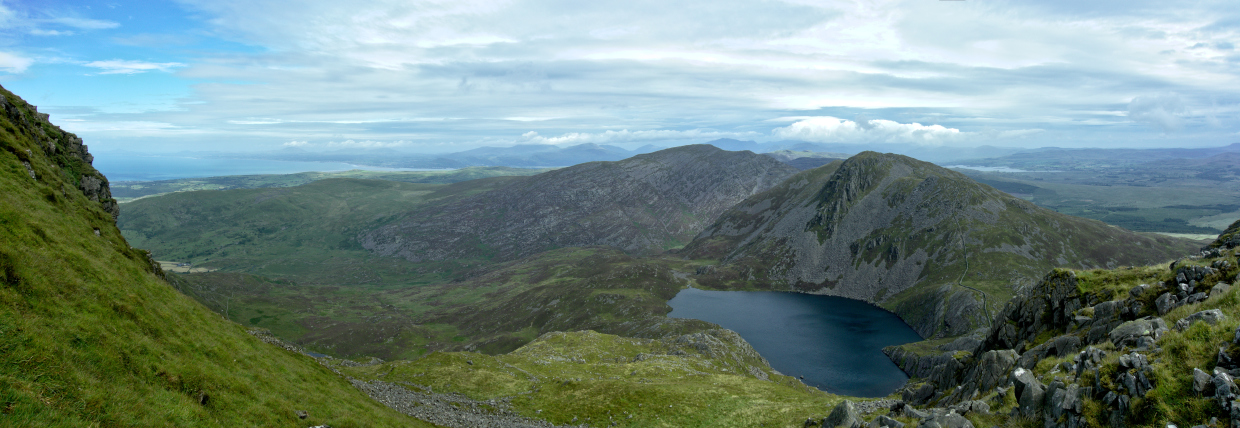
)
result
[(305, 233), (706, 379), (568, 289), (91, 336)]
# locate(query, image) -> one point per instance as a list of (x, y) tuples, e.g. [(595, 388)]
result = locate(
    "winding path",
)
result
[(985, 298)]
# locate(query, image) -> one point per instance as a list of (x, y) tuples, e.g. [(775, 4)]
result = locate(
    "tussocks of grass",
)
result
[(90, 337), (599, 378)]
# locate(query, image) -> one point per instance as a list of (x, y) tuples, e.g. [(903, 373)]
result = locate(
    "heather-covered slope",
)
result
[(90, 335), (643, 204), (938, 249)]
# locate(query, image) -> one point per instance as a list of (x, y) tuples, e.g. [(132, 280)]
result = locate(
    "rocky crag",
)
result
[(1150, 346), (67, 157), (937, 248), (647, 203)]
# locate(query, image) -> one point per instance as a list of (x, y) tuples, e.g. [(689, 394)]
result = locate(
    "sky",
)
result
[(449, 75)]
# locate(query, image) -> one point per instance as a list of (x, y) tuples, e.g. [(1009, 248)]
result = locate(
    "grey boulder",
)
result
[(885, 422), (1139, 334), (844, 415), (1212, 317)]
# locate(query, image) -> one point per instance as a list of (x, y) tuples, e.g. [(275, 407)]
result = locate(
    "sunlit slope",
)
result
[(90, 336), (305, 232), (939, 249), (706, 379)]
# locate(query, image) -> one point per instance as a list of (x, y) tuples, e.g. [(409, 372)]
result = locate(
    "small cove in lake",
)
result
[(836, 343)]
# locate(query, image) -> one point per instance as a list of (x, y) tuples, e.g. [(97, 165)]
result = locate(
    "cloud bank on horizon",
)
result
[(439, 75)]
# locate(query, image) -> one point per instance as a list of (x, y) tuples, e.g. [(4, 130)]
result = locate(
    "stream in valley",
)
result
[(835, 343)]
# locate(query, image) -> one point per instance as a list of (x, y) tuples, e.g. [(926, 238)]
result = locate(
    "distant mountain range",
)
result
[(1055, 158), (801, 154), (521, 156)]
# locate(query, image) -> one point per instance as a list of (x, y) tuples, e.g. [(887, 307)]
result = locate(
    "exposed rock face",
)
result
[(68, 156), (908, 235), (642, 204)]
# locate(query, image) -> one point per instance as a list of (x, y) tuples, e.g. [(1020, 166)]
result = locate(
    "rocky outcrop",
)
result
[(909, 236), (1230, 238), (1065, 318), (67, 155), (643, 204)]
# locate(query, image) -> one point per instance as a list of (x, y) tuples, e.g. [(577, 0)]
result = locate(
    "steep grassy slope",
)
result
[(126, 191), (91, 336), (940, 250)]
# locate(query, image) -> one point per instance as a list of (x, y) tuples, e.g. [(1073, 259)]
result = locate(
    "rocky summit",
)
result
[(643, 204), (939, 249)]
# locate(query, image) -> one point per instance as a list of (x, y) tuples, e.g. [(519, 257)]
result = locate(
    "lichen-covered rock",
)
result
[(1212, 317), (1139, 334), (1203, 383), (844, 415), (1029, 392), (1059, 346), (1219, 289), (945, 419), (883, 421)]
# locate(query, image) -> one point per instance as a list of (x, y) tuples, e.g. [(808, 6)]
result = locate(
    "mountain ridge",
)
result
[(643, 204), (898, 232)]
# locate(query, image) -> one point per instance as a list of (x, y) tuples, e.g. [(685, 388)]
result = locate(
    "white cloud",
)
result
[(828, 129), (14, 63), (626, 136), (296, 143), (83, 23), (1165, 111), (41, 32), (486, 71), (121, 66)]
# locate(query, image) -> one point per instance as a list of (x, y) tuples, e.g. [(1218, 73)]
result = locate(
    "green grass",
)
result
[(89, 336), (307, 234), (566, 289), (598, 378)]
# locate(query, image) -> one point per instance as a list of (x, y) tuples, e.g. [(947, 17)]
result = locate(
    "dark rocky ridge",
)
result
[(913, 237), (643, 204), (67, 155)]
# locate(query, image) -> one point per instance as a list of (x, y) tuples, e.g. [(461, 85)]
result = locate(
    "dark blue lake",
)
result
[(836, 343)]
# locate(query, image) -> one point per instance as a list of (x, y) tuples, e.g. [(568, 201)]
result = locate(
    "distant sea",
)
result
[(154, 168), (990, 168)]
